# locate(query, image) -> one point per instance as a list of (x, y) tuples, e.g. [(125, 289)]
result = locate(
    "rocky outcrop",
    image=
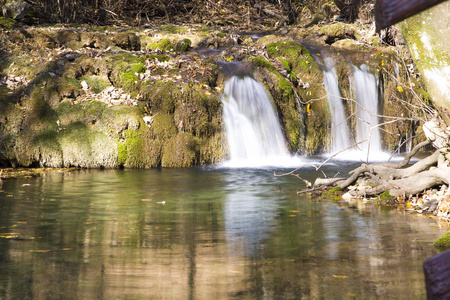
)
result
[(427, 37), (103, 97)]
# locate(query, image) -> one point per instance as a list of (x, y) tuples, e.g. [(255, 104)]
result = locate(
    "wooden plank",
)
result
[(437, 276), (389, 12)]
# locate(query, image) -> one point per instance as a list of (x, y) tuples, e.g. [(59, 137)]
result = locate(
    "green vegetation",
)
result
[(443, 243), (334, 192), (384, 198)]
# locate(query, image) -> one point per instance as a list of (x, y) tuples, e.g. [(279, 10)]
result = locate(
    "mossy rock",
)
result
[(384, 198), (125, 70), (89, 66), (7, 23), (69, 87), (173, 29), (163, 126), (96, 83), (198, 113), (95, 40), (127, 41), (332, 193), (443, 243), (139, 150), (183, 45), (213, 150), (317, 134), (181, 150), (84, 147), (50, 150), (165, 45), (337, 31), (161, 96)]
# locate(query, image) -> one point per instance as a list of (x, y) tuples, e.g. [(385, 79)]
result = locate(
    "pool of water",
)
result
[(202, 233)]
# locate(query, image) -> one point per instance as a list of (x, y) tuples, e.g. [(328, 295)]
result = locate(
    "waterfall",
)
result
[(340, 134), (367, 135), (366, 92), (254, 134)]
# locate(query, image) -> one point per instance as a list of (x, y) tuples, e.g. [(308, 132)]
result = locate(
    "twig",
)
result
[(312, 190)]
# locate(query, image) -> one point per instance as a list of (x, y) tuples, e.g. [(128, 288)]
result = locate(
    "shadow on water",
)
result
[(200, 233)]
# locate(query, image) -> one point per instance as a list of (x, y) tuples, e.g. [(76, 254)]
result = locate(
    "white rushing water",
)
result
[(254, 134), (367, 143), (340, 134), (366, 92)]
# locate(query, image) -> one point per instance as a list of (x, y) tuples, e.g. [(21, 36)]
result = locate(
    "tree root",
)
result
[(397, 179)]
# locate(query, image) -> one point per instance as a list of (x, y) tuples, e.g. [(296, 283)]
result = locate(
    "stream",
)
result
[(202, 233)]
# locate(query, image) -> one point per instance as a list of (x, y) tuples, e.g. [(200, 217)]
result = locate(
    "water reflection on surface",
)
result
[(200, 234)]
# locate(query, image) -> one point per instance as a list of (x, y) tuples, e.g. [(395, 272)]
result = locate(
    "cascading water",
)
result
[(254, 134), (366, 92), (340, 134), (367, 143)]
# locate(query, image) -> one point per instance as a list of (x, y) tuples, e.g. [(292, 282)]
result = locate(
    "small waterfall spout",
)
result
[(253, 130), (340, 134), (366, 93)]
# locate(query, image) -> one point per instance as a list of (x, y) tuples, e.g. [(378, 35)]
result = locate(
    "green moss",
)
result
[(7, 23), (134, 146), (298, 58), (334, 192), (286, 64), (317, 134), (129, 82), (96, 83), (164, 45), (139, 150), (173, 29), (137, 67), (72, 82), (126, 58), (443, 243), (162, 96), (84, 146), (261, 62), (163, 126), (335, 29), (384, 198), (221, 35), (183, 45), (161, 58), (180, 151), (285, 88), (122, 154), (204, 28)]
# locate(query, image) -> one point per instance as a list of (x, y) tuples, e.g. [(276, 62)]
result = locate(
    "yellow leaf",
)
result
[(308, 109), (340, 276), (400, 89)]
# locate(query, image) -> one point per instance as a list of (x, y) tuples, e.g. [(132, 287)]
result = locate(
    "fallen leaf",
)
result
[(340, 276)]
